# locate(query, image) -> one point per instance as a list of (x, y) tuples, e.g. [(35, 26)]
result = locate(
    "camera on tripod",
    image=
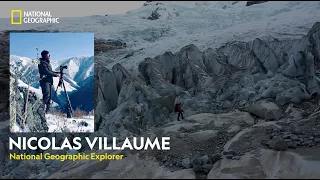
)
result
[(61, 83), (63, 67), (61, 71)]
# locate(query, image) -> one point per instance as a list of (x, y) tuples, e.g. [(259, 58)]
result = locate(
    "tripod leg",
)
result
[(69, 113), (57, 89), (49, 105), (55, 92)]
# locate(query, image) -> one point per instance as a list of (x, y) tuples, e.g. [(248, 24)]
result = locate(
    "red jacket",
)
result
[(179, 107)]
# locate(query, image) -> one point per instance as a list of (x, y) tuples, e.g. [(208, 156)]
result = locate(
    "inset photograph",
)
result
[(52, 82)]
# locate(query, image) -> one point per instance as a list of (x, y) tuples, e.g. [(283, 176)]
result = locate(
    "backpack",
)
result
[(176, 108)]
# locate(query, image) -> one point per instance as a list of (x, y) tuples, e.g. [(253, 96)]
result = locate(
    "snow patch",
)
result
[(18, 59), (72, 70), (89, 71), (35, 90), (62, 124), (17, 129)]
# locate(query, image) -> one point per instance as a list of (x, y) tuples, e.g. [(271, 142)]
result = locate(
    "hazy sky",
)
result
[(70, 8), (60, 45)]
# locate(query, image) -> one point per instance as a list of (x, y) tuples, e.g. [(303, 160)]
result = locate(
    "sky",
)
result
[(60, 45), (67, 9)]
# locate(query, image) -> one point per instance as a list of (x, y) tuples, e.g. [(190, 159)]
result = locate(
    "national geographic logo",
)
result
[(32, 17)]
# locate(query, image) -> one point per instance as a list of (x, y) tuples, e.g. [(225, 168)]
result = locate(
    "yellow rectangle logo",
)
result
[(20, 16)]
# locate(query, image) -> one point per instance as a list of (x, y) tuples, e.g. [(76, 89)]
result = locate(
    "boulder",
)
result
[(205, 159), (280, 145), (261, 164), (186, 163), (196, 164), (266, 110), (215, 158)]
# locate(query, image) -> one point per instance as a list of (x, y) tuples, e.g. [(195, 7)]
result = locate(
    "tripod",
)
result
[(61, 82)]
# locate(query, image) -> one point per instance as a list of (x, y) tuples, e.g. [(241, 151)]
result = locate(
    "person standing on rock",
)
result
[(178, 108), (46, 78)]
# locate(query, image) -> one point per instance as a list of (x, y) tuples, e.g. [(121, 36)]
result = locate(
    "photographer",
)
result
[(46, 78)]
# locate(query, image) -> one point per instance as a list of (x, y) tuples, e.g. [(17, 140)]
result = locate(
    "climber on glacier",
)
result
[(178, 108)]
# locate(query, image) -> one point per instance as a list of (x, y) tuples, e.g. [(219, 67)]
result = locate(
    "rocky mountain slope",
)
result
[(26, 111)]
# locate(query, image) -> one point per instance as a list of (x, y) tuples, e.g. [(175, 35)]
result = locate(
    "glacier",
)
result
[(204, 24)]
